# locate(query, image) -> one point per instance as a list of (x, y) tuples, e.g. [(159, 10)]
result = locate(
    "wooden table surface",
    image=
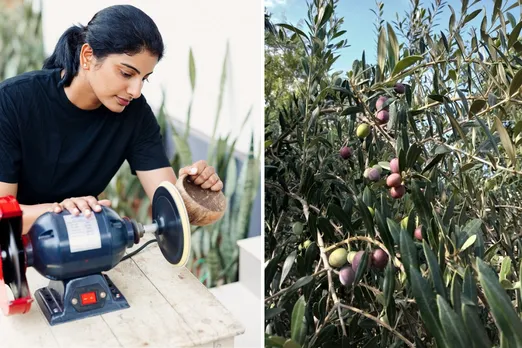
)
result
[(169, 307)]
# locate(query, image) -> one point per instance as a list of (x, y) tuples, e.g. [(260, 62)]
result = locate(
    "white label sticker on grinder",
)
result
[(83, 233)]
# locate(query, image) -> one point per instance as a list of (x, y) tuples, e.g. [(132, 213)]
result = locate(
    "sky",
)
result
[(359, 21)]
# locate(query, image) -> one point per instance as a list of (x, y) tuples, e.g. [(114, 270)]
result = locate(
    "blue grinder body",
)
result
[(72, 251), (52, 251)]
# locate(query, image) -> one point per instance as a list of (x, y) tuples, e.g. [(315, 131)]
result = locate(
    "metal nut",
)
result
[(74, 301), (103, 294)]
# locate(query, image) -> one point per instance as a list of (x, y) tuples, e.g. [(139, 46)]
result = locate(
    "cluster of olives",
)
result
[(383, 111), (363, 130), (382, 116), (394, 180), (373, 173), (348, 263)]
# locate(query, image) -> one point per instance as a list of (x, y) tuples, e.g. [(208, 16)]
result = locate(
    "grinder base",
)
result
[(67, 300)]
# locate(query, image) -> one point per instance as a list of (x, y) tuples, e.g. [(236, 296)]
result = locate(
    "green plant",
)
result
[(455, 127), (214, 247), (21, 40)]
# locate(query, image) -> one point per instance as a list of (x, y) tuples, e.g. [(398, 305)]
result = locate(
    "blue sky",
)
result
[(359, 21)]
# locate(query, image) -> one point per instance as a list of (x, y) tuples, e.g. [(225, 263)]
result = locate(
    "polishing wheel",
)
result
[(173, 226)]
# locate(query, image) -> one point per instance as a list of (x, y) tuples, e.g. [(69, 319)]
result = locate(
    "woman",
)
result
[(65, 130)]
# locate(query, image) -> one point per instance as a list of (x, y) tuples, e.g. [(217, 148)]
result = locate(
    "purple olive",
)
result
[(394, 180), (394, 165), (399, 88), (418, 233), (347, 276), (383, 116), (379, 258), (380, 102), (398, 192), (357, 261), (374, 174), (345, 152)]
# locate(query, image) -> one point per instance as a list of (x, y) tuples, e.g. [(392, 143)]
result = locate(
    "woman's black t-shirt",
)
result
[(54, 150)]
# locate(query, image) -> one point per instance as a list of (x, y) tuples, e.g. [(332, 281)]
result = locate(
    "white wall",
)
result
[(204, 25)]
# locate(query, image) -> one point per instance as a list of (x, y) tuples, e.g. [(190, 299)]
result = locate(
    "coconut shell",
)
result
[(204, 207)]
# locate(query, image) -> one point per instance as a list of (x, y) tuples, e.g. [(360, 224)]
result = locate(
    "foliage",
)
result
[(456, 131), (21, 40), (282, 68)]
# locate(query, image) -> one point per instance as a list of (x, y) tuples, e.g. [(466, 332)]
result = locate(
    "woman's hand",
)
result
[(77, 205), (201, 174)]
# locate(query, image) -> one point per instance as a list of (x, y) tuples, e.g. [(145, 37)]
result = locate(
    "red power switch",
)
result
[(88, 298)]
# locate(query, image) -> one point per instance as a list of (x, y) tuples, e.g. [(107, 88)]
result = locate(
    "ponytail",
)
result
[(66, 54)]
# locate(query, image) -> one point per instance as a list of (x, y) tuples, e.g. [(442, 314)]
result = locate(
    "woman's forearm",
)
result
[(31, 212)]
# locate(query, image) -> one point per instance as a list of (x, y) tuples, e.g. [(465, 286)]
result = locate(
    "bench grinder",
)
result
[(74, 251)]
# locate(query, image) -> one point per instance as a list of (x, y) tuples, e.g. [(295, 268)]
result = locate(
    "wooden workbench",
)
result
[(169, 307)]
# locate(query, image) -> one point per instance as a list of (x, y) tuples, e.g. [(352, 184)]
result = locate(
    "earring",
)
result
[(84, 65)]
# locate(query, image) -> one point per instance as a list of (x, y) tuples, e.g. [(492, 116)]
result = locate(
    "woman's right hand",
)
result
[(80, 205)]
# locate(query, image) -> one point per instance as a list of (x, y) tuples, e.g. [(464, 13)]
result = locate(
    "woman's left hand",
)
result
[(201, 174)]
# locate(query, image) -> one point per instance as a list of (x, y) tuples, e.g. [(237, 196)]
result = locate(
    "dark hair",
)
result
[(114, 30)]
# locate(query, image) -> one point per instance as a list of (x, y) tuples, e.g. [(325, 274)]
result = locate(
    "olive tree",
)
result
[(392, 191)]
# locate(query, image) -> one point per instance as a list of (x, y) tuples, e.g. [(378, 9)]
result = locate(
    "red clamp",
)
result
[(10, 209)]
